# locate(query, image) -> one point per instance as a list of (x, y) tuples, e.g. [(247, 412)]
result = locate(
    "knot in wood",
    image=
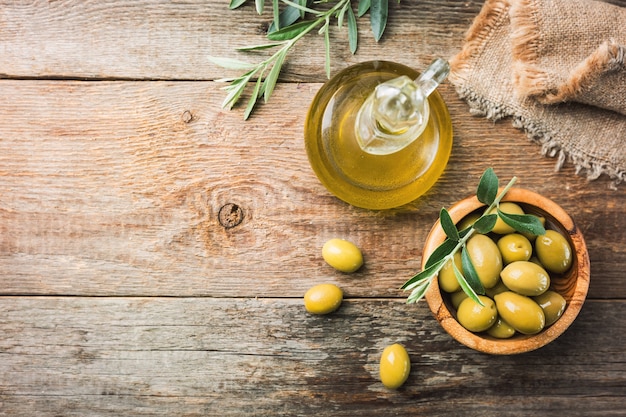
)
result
[(187, 117), (230, 215)]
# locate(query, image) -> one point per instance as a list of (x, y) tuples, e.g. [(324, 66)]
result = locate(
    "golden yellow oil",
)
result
[(360, 178)]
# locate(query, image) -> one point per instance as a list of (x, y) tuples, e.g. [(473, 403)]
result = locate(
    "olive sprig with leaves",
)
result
[(287, 28), (487, 193)]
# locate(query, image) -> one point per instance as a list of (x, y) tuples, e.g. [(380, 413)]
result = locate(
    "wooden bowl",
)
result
[(572, 285)]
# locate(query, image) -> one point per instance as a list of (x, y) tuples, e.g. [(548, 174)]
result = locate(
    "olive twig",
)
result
[(456, 240)]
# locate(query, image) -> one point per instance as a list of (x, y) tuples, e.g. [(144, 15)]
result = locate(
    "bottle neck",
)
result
[(397, 112)]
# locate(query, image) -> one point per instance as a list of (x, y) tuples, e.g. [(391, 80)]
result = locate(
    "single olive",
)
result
[(553, 305), (477, 318), (521, 312), (501, 329), (342, 255), (447, 278), (497, 289), (507, 207), (526, 278), (486, 258), (554, 252), (457, 297), (395, 366), (323, 298), (514, 247)]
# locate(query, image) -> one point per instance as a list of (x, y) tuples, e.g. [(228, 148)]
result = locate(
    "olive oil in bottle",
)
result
[(374, 150)]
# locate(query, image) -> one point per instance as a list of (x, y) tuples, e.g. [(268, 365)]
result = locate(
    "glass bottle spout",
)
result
[(397, 111)]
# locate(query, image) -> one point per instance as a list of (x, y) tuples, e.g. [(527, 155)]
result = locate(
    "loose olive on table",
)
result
[(323, 298), (395, 366), (342, 255)]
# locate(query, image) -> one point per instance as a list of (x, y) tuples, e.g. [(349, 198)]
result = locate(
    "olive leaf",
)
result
[(364, 6), (426, 274), (467, 289), (523, 223), (471, 276), (485, 223), (448, 225), (442, 251), (487, 187), (378, 17)]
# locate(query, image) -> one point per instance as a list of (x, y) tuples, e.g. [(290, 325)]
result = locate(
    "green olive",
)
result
[(501, 329), (515, 247), (323, 299), (554, 252), (457, 297), (342, 255), (497, 289), (486, 259), (521, 312), (395, 366), (553, 305), (477, 318), (526, 278), (447, 278), (507, 207)]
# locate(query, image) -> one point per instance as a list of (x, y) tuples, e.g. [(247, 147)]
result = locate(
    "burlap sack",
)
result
[(557, 68)]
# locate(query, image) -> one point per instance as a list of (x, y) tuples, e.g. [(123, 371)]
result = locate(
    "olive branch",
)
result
[(487, 193), (287, 28)]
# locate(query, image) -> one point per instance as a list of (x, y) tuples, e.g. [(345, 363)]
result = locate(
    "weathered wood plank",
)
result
[(232, 357), (114, 188), (156, 39)]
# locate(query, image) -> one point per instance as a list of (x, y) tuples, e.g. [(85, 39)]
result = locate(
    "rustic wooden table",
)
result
[(122, 293)]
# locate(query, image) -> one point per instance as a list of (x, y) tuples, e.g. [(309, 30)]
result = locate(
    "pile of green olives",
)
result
[(515, 269)]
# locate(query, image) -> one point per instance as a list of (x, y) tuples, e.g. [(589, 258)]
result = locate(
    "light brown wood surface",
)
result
[(121, 293)]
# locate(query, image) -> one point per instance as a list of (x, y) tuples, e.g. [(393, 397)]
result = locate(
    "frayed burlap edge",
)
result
[(532, 81), (591, 168)]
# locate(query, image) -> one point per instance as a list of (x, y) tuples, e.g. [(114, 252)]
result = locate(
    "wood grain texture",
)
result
[(115, 189), (121, 293), (231, 357)]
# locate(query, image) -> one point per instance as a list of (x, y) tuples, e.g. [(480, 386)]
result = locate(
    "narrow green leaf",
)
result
[(236, 3), (254, 98), (276, 13), (448, 225), (486, 223), (467, 289), (419, 292), (364, 6), (341, 14), (272, 77), (231, 63), (470, 273), (290, 32), (427, 273), (523, 223), (487, 187), (260, 5), (259, 47), (353, 32), (440, 252), (378, 17)]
